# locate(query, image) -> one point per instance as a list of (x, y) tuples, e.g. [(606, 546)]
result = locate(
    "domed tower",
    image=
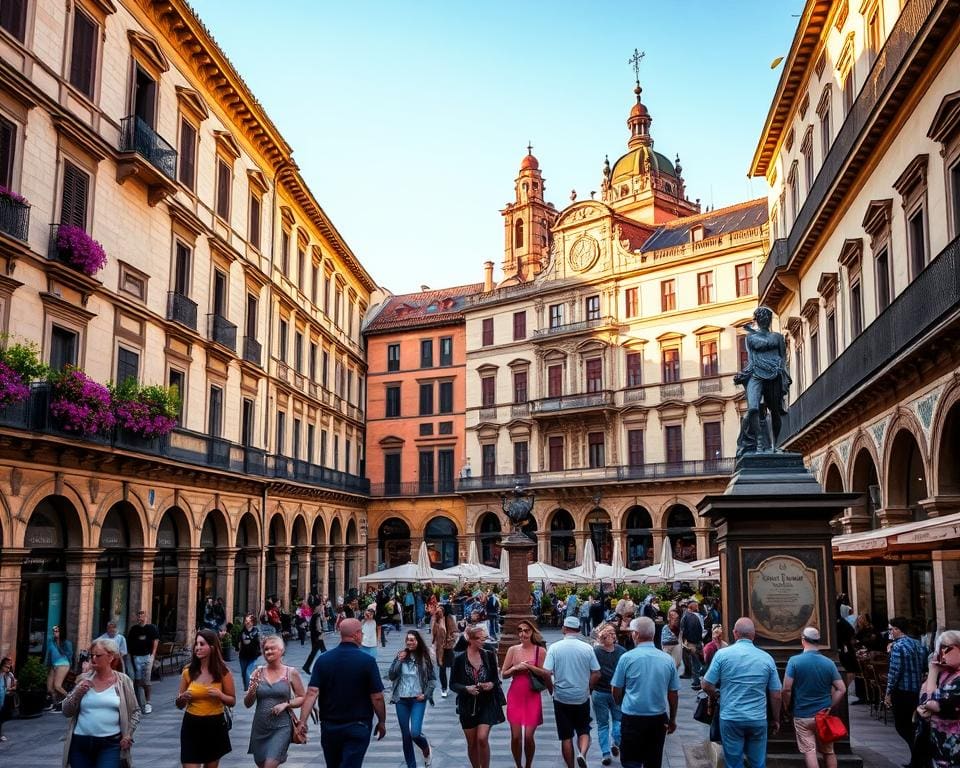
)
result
[(526, 223)]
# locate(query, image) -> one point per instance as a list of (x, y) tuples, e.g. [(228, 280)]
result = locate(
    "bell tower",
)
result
[(526, 224)]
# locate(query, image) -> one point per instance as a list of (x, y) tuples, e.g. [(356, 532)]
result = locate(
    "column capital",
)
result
[(84, 555)]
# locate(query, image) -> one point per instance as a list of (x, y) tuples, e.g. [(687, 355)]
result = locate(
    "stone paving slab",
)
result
[(38, 743)]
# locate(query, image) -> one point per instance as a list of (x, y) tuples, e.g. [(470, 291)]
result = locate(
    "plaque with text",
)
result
[(783, 596)]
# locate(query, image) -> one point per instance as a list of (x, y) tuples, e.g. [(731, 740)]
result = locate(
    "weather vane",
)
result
[(635, 60)]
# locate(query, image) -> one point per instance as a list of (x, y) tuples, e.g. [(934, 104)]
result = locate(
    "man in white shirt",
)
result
[(121, 641), (575, 671)]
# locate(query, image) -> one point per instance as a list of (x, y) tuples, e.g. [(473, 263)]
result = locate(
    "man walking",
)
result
[(747, 678), (316, 639), (812, 683), (142, 641), (121, 641), (604, 707), (575, 672), (691, 637), (645, 685), (493, 613), (348, 691), (908, 666)]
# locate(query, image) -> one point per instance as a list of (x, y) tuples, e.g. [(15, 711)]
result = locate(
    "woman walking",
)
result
[(8, 689), (277, 690), (522, 664), (103, 713), (670, 637), (443, 635), (371, 632), (59, 657), (206, 688), (480, 699), (249, 650), (414, 682), (940, 705)]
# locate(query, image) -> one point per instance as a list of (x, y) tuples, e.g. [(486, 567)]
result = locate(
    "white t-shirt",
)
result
[(571, 660), (99, 713), (369, 629)]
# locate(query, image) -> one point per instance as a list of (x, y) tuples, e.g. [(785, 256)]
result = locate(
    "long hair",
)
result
[(535, 637), (215, 664), (421, 655)]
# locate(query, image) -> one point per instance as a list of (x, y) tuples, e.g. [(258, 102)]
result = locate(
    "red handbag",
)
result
[(829, 727)]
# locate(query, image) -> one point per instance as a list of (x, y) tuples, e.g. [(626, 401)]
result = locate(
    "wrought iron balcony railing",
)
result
[(222, 331), (583, 325), (252, 351), (417, 488), (14, 218), (137, 136), (181, 310), (602, 399)]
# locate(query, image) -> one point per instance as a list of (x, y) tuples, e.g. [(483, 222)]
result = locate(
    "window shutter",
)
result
[(76, 185)]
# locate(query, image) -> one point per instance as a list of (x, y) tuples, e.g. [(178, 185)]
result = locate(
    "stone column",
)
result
[(323, 563), (253, 580), (226, 569), (543, 546), (141, 581), (897, 576), (946, 588), (580, 539), (81, 589), (283, 576), (339, 555), (463, 548), (189, 568), (703, 542), (860, 588), (303, 568), (658, 535), (11, 563)]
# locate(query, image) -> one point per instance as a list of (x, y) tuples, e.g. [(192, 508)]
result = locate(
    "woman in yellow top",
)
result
[(206, 687)]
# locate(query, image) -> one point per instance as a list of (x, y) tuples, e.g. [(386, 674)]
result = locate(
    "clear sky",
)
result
[(409, 120)]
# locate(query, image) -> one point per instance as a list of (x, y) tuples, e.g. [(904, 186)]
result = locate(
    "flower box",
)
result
[(77, 249)]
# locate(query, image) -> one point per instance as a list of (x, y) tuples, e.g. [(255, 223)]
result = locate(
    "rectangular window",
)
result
[(313, 362), (325, 370), (73, 200), (555, 453), (856, 309), (301, 269), (391, 472), (709, 364), (955, 196), (445, 428), (176, 380), (182, 269), (826, 133), (814, 353), (808, 166), (445, 396), (670, 363), (519, 326), (635, 447), (255, 221), (219, 293), (187, 172), (489, 460), (831, 336), (336, 451), (446, 350), (794, 193), (595, 450), (631, 302), (799, 378), (520, 387), (743, 357), (298, 352), (426, 399), (712, 448), (673, 437), (882, 261), (295, 437), (634, 369), (521, 458), (744, 279), (425, 466), (128, 365), (315, 284), (326, 294), (849, 92), (445, 471), (705, 287), (594, 374), (281, 447), (282, 341), (555, 381), (246, 422), (323, 447), (593, 307), (426, 429), (393, 357), (215, 412), (64, 348), (393, 401), (426, 353), (285, 252), (13, 17), (916, 236), (8, 146), (874, 33), (337, 307), (556, 315), (311, 438), (224, 182), (487, 332), (488, 395), (668, 295), (83, 52)]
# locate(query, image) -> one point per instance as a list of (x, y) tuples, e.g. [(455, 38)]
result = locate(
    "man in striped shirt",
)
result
[(908, 667)]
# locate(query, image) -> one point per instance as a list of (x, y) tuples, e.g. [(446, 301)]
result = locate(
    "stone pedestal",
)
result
[(518, 549), (776, 567)]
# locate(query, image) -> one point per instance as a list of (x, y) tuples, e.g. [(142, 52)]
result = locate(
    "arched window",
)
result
[(563, 547), (639, 538), (598, 523), (393, 543), (518, 234), (680, 530), (441, 538), (490, 540)]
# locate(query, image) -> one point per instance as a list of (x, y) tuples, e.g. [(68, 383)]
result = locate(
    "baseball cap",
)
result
[(571, 622), (811, 634)]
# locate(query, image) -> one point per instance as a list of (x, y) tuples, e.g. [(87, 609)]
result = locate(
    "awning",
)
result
[(920, 536)]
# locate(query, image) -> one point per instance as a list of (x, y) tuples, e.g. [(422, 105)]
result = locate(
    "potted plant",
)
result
[(79, 404), (76, 248), (226, 645), (32, 687), (146, 412)]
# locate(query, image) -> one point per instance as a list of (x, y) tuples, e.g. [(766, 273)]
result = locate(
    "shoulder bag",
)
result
[(537, 683), (829, 727), (298, 735), (704, 712)]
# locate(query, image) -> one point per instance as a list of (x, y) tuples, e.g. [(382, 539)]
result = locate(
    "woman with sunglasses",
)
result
[(522, 663), (476, 681), (940, 702)]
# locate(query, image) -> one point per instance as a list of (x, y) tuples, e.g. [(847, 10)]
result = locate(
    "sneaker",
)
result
[(428, 759), (443, 693), (147, 709), (581, 761), (615, 750), (606, 760)]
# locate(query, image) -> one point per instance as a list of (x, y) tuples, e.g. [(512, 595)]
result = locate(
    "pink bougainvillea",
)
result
[(12, 388), (147, 414), (11, 195), (81, 405), (80, 250)]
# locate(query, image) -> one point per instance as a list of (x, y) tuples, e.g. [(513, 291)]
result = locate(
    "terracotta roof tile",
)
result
[(734, 218), (423, 308)]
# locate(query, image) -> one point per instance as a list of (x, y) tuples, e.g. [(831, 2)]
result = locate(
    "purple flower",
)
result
[(81, 250), (80, 404), (11, 195), (146, 411), (12, 388)]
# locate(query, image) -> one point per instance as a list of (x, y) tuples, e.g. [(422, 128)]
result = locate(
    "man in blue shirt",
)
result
[(812, 683), (908, 669), (743, 678), (348, 691), (645, 685)]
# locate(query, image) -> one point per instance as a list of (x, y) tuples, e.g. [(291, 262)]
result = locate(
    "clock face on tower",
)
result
[(583, 253)]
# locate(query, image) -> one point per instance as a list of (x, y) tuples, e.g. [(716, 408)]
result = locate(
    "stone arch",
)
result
[(944, 480), (440, 535), (277, 530), (679, 521), (862, 442), (833, 478), (132, 519), (638, 524), (352, 537), (489, 533), (217, 518), (393, 541), (48, 489), (319, 535), (599, 527), (336, 532), (905, 469), (831, 457), (299, 531), (180, 521), (132, 498), (248, 528), (560, 529)]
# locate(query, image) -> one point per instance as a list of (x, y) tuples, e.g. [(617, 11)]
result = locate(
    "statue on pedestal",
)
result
[(518, 509), (767, 383)]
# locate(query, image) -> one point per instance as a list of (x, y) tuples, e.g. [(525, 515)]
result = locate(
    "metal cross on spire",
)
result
[(529, 147), (635, 60)]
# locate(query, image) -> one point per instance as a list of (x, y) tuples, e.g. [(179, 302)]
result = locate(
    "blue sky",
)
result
[(409, 120)]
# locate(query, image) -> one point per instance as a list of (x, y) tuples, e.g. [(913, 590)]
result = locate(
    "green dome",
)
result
[(632, 164)]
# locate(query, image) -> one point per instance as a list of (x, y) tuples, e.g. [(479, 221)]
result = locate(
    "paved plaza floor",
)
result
[(38, 743)]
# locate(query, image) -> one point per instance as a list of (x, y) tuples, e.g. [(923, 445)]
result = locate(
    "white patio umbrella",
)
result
[(407, 572), (505, 562), (668, 568), (473, 557), (540, 571), (588, 568), (423, 561), (475, 572)]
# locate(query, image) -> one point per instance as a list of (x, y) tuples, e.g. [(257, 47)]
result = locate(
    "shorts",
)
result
[(142, 668), (807, 741), (572, 718)]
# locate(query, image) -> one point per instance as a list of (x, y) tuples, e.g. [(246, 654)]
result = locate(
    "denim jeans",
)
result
[(246, 669), (744, 738), (410, 714), (494, 622), (345, 744), (95, 751), (605, 709)]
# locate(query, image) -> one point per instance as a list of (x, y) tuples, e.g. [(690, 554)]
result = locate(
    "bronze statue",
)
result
[(767, 382), (518, 508)]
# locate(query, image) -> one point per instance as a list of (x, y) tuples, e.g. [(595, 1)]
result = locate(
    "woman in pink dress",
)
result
[(524, 706)]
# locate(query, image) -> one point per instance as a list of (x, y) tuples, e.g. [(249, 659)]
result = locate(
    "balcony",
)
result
[(252, 351), (709, 386), (922, 311), (222, 331), (583, 325), (181, 310), (519, 410), (550, 406), (488, 413), (418, 488), (635, 395), (146, 156), (672, 391), (14, 218)]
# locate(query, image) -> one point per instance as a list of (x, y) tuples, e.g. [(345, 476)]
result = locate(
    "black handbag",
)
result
[(715, 726), (703, 713), (537, 683)]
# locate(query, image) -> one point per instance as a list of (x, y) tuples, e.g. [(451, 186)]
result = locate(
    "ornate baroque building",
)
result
[(224, 278), (861, 151)]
